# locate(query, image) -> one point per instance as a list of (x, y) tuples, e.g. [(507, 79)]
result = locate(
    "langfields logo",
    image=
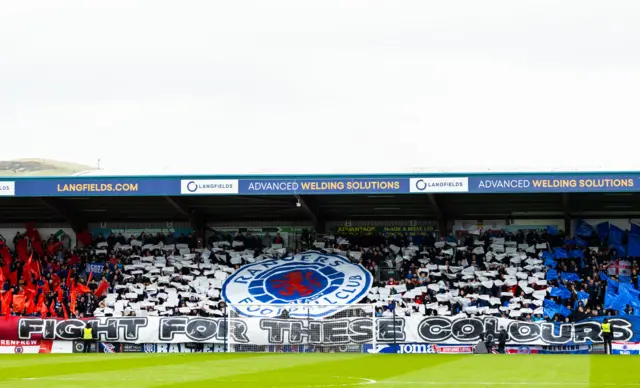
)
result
[(210, 186), (439, 185)]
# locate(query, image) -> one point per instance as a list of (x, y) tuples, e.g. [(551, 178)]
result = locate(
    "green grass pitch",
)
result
[(317, 370)]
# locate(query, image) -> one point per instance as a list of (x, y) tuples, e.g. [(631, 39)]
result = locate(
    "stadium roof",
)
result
[(319, 198), (318, 208), (81, 200)]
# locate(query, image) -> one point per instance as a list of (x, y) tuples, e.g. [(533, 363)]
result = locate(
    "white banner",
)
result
[(275, 331), (309, 278)]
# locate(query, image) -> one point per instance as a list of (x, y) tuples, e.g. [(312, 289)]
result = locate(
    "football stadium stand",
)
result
[(529, 249), (526, 275)]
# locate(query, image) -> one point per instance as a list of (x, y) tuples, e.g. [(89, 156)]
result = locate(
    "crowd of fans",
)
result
[(527, 275), (123, 276)]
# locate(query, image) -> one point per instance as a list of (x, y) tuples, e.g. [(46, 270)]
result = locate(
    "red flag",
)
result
[(5, 254), (74, 259), (26, 275), (34, 236), (30, 291), (13, 278), (26, 271), (52, 309), (59, 291), (18, 303), (30, 306), (102, 288), (72, 305), (32, 233), (69, 273), (89, 278), (22, 247), (53, 248), (7, 297), (84, 238), (55, 281), (64, 310), (36, 269), (42, 307), (37, 247), (5, 271), (81, 288), (45, 287)]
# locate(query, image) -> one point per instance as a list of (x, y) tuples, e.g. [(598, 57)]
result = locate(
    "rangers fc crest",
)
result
[(324, 283)]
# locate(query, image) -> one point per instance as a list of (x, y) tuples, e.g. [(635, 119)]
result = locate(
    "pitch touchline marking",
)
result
[(362, 381), (520, 383), (366, 381)]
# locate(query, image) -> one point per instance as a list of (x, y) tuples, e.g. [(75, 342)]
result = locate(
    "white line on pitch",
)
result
[(513, 383)]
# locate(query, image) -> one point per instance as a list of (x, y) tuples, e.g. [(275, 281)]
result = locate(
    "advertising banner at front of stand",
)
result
[(321, 185), (275, 331), (95, 187), (558, 183)]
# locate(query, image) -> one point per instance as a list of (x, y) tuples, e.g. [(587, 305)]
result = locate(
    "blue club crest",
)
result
[(313, 279)]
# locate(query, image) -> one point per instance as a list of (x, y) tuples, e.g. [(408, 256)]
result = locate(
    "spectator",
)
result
[(278, 240), (477, 277), (266, 240)]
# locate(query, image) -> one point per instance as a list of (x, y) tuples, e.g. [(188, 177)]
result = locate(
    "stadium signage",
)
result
[(544, 183), (439, 185), (522, 349), (625, 348), (453, 349), (309, 185), (130, 348), (7, 189), (403, 349), (370, 230), (188, 348), (422, 348), (324, 186), (96, 187), (138, 231), (455, 334), (210, 187), (26, 347), (416, 348), (269, 286)]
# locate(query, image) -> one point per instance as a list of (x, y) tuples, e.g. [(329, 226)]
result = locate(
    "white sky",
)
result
[(331, 86)]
